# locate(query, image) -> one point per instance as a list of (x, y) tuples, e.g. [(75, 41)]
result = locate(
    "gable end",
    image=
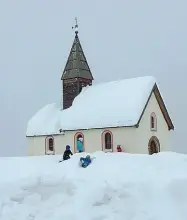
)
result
[(162, 106)]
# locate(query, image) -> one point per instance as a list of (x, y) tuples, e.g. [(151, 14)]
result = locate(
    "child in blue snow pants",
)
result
[(85, 161)]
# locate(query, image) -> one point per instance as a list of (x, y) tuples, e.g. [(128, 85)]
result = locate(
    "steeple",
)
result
[(77, 73), (76, 65)]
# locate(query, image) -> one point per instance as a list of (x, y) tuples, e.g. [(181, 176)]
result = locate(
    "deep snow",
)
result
[(116, 186)]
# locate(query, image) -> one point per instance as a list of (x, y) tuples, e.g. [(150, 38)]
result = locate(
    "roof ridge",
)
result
[(124, 79)]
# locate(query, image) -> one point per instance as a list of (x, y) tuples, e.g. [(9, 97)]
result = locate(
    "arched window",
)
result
[(49, 145), (153, 122), (154, 145), (79, 142), (107, 141)]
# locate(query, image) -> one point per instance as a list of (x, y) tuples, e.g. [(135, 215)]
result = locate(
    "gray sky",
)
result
[(121, 38)]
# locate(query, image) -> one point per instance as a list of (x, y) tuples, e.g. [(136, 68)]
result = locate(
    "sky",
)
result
[(121, 39)]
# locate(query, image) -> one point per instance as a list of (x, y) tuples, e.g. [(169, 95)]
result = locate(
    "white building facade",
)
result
[(136, 119), (132, 139)]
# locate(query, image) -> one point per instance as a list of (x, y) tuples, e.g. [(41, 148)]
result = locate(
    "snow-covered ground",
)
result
[(116, 186)]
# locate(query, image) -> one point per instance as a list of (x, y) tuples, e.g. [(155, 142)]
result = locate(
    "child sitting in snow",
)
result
[(67, 153), (85, 161)]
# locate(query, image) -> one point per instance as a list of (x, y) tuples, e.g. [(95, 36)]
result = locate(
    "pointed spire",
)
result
[(76, 65)]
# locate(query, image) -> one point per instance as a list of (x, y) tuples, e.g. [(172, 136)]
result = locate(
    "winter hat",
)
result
[(67, 147), (80, 139)]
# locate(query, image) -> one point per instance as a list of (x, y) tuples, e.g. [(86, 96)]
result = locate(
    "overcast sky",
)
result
[(121, 39)]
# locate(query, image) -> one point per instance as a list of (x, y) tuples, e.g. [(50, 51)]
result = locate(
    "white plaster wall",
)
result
[(30, 145), (132, 140), (92, 141), (36, 146)]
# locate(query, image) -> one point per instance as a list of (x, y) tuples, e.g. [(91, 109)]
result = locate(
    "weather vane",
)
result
[(76, 26)]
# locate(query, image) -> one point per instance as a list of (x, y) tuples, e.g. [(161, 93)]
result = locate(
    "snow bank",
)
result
[(117, 103), (116, 186)]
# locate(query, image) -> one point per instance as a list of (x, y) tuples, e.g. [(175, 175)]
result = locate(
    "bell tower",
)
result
[(76, 74)]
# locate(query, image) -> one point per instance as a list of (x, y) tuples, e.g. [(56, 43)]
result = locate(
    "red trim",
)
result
[(75, 139), (46, 138), (103, 139), (153, 115)]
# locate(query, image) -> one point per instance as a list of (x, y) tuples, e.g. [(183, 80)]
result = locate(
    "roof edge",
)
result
[(83, 129), (163, 108)]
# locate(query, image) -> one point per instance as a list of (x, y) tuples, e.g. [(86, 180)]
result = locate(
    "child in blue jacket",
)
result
[(80, 145), (85, 161)]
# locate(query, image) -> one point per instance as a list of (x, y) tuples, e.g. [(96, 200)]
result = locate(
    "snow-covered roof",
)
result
[(111, 104)]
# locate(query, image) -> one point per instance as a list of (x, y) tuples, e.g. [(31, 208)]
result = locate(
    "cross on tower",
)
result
[(76, 26)]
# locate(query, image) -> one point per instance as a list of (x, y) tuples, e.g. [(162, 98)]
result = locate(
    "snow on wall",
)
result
[(112, 104), (115, 186)]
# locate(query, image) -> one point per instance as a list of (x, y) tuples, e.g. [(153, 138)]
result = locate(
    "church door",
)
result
[(154, 146)]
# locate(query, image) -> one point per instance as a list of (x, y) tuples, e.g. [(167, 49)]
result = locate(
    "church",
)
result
[(128, 113)]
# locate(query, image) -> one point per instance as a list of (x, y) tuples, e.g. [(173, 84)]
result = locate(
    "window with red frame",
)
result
[(50, 144), (108, 141), (153, 122)]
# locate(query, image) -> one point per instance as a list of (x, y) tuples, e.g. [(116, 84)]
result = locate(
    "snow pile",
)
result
[(115, 186), (117, 103)]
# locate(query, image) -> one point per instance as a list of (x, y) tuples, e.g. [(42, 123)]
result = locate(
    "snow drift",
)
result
[(116, 186)]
